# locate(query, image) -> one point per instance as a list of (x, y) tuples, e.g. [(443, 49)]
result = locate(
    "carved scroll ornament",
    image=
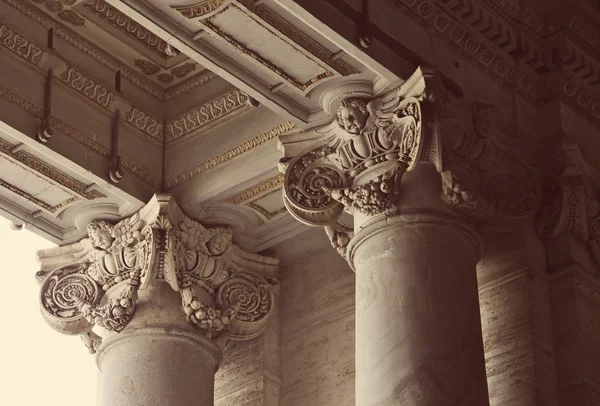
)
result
[(360, 161), (356, 163), (95, 282)]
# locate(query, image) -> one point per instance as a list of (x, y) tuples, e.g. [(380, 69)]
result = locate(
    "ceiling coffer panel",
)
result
[(267, 41)]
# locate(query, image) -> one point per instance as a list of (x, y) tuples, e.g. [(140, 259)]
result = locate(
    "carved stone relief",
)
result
[(358, 161), (94, 282)]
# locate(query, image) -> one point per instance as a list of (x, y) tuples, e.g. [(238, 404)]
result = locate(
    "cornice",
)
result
[(129, 27), (77, 135), (488, 36), (36, 201), (146, 123), (189, 84), (106, 59), (206, 116), (257, 190), (230, 154), (205, 14), (21, 46), (48, 171), (84, 46)]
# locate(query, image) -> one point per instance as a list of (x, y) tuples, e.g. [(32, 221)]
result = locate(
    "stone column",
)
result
[(418, 329), (156, 296), (158, 359), (414, 171)]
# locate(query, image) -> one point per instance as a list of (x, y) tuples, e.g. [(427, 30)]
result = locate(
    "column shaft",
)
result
[(157, 360), (418, 325)]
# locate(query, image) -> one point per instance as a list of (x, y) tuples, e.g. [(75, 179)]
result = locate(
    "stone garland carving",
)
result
[(359, 159), (95, 282), (71, 296), (385, 132), (340, 236)]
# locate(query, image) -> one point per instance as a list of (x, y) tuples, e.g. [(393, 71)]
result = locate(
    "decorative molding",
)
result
[(298, 37), (257, 190), (77, 135), (72, 18), (147, 124), (268, 214), (200, 9), (128, 26), (36, 201), (21, 46), (86, 47), (184, 69), (206, 114), (189, 84), (51, 173), (88, 87), (106, 59), (232, 153), (147, 67), (277, 70)]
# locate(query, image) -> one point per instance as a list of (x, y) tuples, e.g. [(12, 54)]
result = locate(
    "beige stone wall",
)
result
[(250, 372), (317, 323)]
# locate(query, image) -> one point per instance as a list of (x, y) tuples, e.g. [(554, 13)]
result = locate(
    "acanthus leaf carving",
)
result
[(357, 162), (95, 282)]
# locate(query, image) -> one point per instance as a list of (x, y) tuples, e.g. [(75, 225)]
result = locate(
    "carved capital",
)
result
[(95, 282), (356, 163)]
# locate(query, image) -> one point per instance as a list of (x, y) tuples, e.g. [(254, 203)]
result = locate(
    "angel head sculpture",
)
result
[(219, 241), (101, 234), (352, 115)]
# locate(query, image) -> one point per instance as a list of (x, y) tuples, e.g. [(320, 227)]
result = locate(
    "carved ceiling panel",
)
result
[(45, 191), (268, 41)]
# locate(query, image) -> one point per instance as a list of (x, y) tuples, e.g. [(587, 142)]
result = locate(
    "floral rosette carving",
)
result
[(306, 180), (252, 300)]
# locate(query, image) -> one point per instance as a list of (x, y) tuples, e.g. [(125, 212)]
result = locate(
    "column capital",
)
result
[(357, 162), (91, 286)]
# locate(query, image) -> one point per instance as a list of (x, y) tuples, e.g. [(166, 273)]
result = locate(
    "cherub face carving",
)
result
[(352, 115), (100, 233), (219, 242)]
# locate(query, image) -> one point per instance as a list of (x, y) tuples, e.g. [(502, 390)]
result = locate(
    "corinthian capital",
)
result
[(357, 162), (94, 283)]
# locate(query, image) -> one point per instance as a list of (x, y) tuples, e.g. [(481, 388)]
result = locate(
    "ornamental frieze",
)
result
[(92, 286)]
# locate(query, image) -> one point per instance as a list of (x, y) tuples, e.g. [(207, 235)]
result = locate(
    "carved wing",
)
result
[(126, 232), (333, 134), (194, 235), (86, 252), (382, 109)]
